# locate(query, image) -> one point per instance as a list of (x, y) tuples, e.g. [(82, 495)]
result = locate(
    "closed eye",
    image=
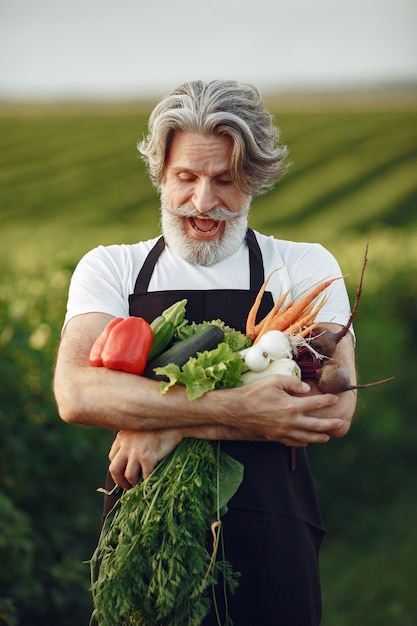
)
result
[(186, 178)]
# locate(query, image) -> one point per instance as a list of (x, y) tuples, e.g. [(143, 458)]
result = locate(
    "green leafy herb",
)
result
[(151, 566)]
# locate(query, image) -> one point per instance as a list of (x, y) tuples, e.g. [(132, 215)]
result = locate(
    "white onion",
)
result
[(256, 359), (276, 344), (285, 367)]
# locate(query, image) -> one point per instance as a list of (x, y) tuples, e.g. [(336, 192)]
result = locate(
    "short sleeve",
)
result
[(100, 283)]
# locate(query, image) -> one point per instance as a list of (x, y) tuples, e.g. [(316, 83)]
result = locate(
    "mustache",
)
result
[(219, 214)]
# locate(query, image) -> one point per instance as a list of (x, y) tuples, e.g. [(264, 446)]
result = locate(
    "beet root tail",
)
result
[(374, 384)]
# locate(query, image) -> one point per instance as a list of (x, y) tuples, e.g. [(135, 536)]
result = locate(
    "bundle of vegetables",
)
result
[(152, 565), (289, 340)]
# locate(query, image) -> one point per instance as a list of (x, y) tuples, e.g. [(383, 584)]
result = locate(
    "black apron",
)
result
[(273, 528)]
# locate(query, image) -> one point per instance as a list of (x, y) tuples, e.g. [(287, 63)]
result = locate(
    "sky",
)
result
[(118, 49)]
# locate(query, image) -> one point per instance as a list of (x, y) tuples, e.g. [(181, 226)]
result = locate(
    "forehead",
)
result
[(200, 153)]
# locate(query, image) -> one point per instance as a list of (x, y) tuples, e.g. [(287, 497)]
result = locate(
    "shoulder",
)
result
[(117, 256), (104, 278), (295, 255)]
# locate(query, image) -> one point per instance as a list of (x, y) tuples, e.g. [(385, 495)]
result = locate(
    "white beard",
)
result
[(200, 252)]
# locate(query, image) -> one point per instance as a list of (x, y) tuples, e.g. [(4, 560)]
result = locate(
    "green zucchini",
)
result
[(164, 327), (207, 338), (163, 333)]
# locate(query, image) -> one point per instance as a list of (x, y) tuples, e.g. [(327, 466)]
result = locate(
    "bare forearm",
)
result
[(222, 433), (120, 401)]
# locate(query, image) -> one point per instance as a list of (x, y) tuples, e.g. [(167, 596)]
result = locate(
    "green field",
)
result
[(70, 179)]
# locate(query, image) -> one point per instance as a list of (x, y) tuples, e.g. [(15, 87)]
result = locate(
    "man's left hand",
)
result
[(138, 452)]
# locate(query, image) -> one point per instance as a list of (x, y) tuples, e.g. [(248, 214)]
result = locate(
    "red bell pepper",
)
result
[(123, 345), (95, 358)]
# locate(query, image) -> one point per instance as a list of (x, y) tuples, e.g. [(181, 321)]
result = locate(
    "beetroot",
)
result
[(333, 378), (330, 376), (325, 341)]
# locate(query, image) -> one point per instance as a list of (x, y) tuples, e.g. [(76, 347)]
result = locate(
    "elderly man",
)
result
[(211, 147)]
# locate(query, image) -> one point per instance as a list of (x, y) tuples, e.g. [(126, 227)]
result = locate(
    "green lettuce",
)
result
[(212, 369)]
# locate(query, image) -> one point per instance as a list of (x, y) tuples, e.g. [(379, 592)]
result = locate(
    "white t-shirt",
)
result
[(106, 276)]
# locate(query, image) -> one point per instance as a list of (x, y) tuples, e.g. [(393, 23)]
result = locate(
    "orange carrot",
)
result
[(274, 311), (251, 319), (299, 325), (295, 309), (293, 313), (306, 331), (307, 317), (278, 309)]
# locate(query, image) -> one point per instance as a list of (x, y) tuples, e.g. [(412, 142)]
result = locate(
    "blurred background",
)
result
[(77, 83)]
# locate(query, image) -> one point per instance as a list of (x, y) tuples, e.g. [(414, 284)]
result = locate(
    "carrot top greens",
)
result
[(151, 566)]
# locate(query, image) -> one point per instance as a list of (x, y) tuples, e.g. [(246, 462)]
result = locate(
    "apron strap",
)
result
[(144, 276), (256, 268)]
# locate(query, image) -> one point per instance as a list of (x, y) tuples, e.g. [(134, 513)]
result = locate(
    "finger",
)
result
[(316, 402), (117, 472), (318, 424), (147, 468), (302, 438), (132, 472), (293, 384), (114, 449), (293, 443)]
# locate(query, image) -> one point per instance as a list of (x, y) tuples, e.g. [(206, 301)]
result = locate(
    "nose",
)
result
[(204, 197)]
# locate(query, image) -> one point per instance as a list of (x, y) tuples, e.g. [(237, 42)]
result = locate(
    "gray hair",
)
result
[(228, 108)]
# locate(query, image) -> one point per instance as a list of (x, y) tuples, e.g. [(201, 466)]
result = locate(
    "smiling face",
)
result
[(204, 214)]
